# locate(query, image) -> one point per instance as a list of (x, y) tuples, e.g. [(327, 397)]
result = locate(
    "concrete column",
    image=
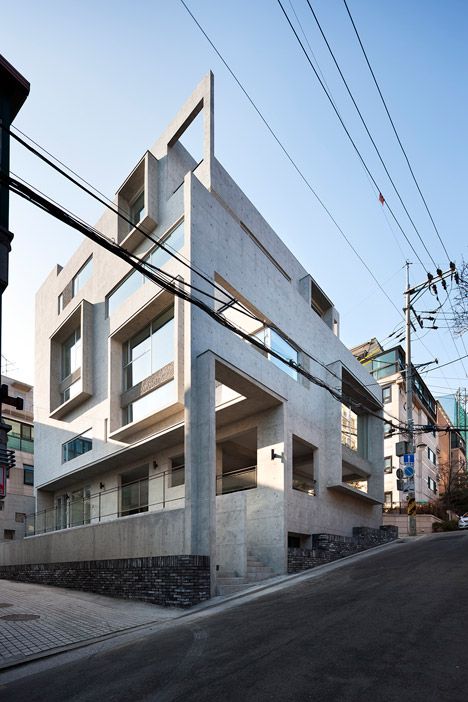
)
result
[(200, 459), (266, 506)]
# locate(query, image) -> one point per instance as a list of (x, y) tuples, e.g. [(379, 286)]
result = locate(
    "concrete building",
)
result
[(160, 433), (387, 369), (19, 500)]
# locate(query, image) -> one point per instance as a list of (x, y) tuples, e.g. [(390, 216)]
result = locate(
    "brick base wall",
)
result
[(171, 581), (331, 547)]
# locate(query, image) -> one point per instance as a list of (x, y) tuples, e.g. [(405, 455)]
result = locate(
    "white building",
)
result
[(161, 433)]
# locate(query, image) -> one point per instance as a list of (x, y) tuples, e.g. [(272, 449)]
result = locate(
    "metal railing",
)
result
[(236, 480), (134, 497)]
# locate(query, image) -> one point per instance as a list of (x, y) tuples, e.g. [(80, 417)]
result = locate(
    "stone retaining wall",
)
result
[(331, 547), (171, 581)]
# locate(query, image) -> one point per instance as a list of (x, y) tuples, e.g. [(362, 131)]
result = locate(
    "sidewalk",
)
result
[(35, 619)]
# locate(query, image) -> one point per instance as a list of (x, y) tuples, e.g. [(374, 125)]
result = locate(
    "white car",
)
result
[(463, 521)]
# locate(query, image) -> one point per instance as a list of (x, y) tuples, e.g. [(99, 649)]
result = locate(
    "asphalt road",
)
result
[(392, 626)]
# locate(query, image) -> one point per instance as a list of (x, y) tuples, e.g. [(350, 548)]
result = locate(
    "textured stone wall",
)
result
[(331, 547), (171, 581)]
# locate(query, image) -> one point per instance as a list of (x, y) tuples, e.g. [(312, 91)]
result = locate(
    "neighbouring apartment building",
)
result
[(387, 369), (161, 435), (452, 457), (19, 501)]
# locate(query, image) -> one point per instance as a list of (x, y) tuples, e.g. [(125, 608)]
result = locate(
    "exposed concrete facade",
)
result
[(219, 407), (19, 500)]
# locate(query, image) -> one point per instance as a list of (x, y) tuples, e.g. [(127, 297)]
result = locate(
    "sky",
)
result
[(107, 77)]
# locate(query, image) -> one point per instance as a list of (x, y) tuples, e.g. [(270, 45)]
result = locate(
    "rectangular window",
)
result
[(134, 491), (177, 471), (388, 499), (157, 257), (349, 428), (431, 484), (82, 276), (71, 353), (28, 475), (60, 303), (274, 341), (71, 391), (431, 455), (137, 209), (387, 394), (388, 464), (161, 397), (8, 534), (20, 517), (149, 350), (21, 436), (77, 446)]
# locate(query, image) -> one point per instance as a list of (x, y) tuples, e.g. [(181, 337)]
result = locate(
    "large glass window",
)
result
[(82, 276), (77, 446), (152, 402), (134, 491), (274, 341), (149, 350), (21, 436), (349, 428), (71, 353), (157, 257)]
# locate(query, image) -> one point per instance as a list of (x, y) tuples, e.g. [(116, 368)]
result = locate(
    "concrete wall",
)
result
[(140, 535), (424, 523)]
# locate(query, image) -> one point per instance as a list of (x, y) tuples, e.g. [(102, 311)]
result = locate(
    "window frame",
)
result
[(386, 399), (75, 438), (28, 470), (388, 469), (76, 285)]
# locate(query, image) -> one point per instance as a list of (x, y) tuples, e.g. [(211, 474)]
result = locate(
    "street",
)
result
[(391, 626)]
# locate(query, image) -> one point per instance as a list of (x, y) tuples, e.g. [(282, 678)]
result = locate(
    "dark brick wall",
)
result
[(171, 581), (331, 547)]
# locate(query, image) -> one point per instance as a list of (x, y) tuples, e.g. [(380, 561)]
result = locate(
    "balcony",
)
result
[(236, 480)]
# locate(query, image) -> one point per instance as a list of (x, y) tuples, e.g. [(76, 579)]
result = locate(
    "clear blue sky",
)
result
[(107, 77)]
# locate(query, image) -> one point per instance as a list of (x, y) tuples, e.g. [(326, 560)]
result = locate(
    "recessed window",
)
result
[(387, 394), (8, 534), (177, 471), (388, 499), (28, 475), (77, 446), (274, 341), (20, 517), (431, 455), (349, 428), (71, 353), (137, 209), (82, 277), (388, 464), (71, 391), (149, 350), (60, 303), (157, 257), (150, 403)]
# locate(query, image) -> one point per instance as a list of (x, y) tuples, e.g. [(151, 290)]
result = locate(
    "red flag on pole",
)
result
[(381, 199)]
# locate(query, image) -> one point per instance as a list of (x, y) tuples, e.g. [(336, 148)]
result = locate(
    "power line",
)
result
[(395, 130), (455, 360), (368, 132), (290, 159), (56, 211), (353, 143)]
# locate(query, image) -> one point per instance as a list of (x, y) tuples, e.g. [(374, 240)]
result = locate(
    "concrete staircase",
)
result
[(230, 583)]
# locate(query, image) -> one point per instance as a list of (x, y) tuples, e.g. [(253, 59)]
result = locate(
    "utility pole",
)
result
[(409, 453), (14, 90), (409, 404)]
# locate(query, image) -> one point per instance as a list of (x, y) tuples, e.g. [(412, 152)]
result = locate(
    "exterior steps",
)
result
[(229, 583)]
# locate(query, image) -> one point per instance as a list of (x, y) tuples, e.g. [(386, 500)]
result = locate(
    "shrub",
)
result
[(447, 525)]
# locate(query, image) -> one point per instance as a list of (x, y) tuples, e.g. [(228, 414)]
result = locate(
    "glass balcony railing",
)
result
[(236, 480)]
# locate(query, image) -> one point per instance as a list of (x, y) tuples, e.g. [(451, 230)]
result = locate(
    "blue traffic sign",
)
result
[(409, 471), (408, 459)]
